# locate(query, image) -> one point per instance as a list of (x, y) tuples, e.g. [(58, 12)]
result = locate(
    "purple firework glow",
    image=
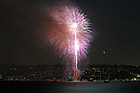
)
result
[(71, 34)]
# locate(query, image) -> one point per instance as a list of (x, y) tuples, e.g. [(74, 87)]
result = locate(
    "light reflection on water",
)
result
[(92, 87)]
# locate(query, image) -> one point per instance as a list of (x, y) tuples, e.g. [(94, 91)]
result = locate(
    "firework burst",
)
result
[(70, 34)]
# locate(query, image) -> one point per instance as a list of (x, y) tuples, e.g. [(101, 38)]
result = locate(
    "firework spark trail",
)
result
[(70, 35)]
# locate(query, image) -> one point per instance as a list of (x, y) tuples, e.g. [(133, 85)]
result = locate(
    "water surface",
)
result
[(71, 87)]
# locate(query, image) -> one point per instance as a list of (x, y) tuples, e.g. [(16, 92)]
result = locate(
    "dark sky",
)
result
[(116, 24)]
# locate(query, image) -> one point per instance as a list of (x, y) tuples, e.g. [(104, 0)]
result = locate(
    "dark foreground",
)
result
[(70, 87)]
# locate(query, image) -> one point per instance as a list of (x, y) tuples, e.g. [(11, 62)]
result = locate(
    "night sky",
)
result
[(115, 23)]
